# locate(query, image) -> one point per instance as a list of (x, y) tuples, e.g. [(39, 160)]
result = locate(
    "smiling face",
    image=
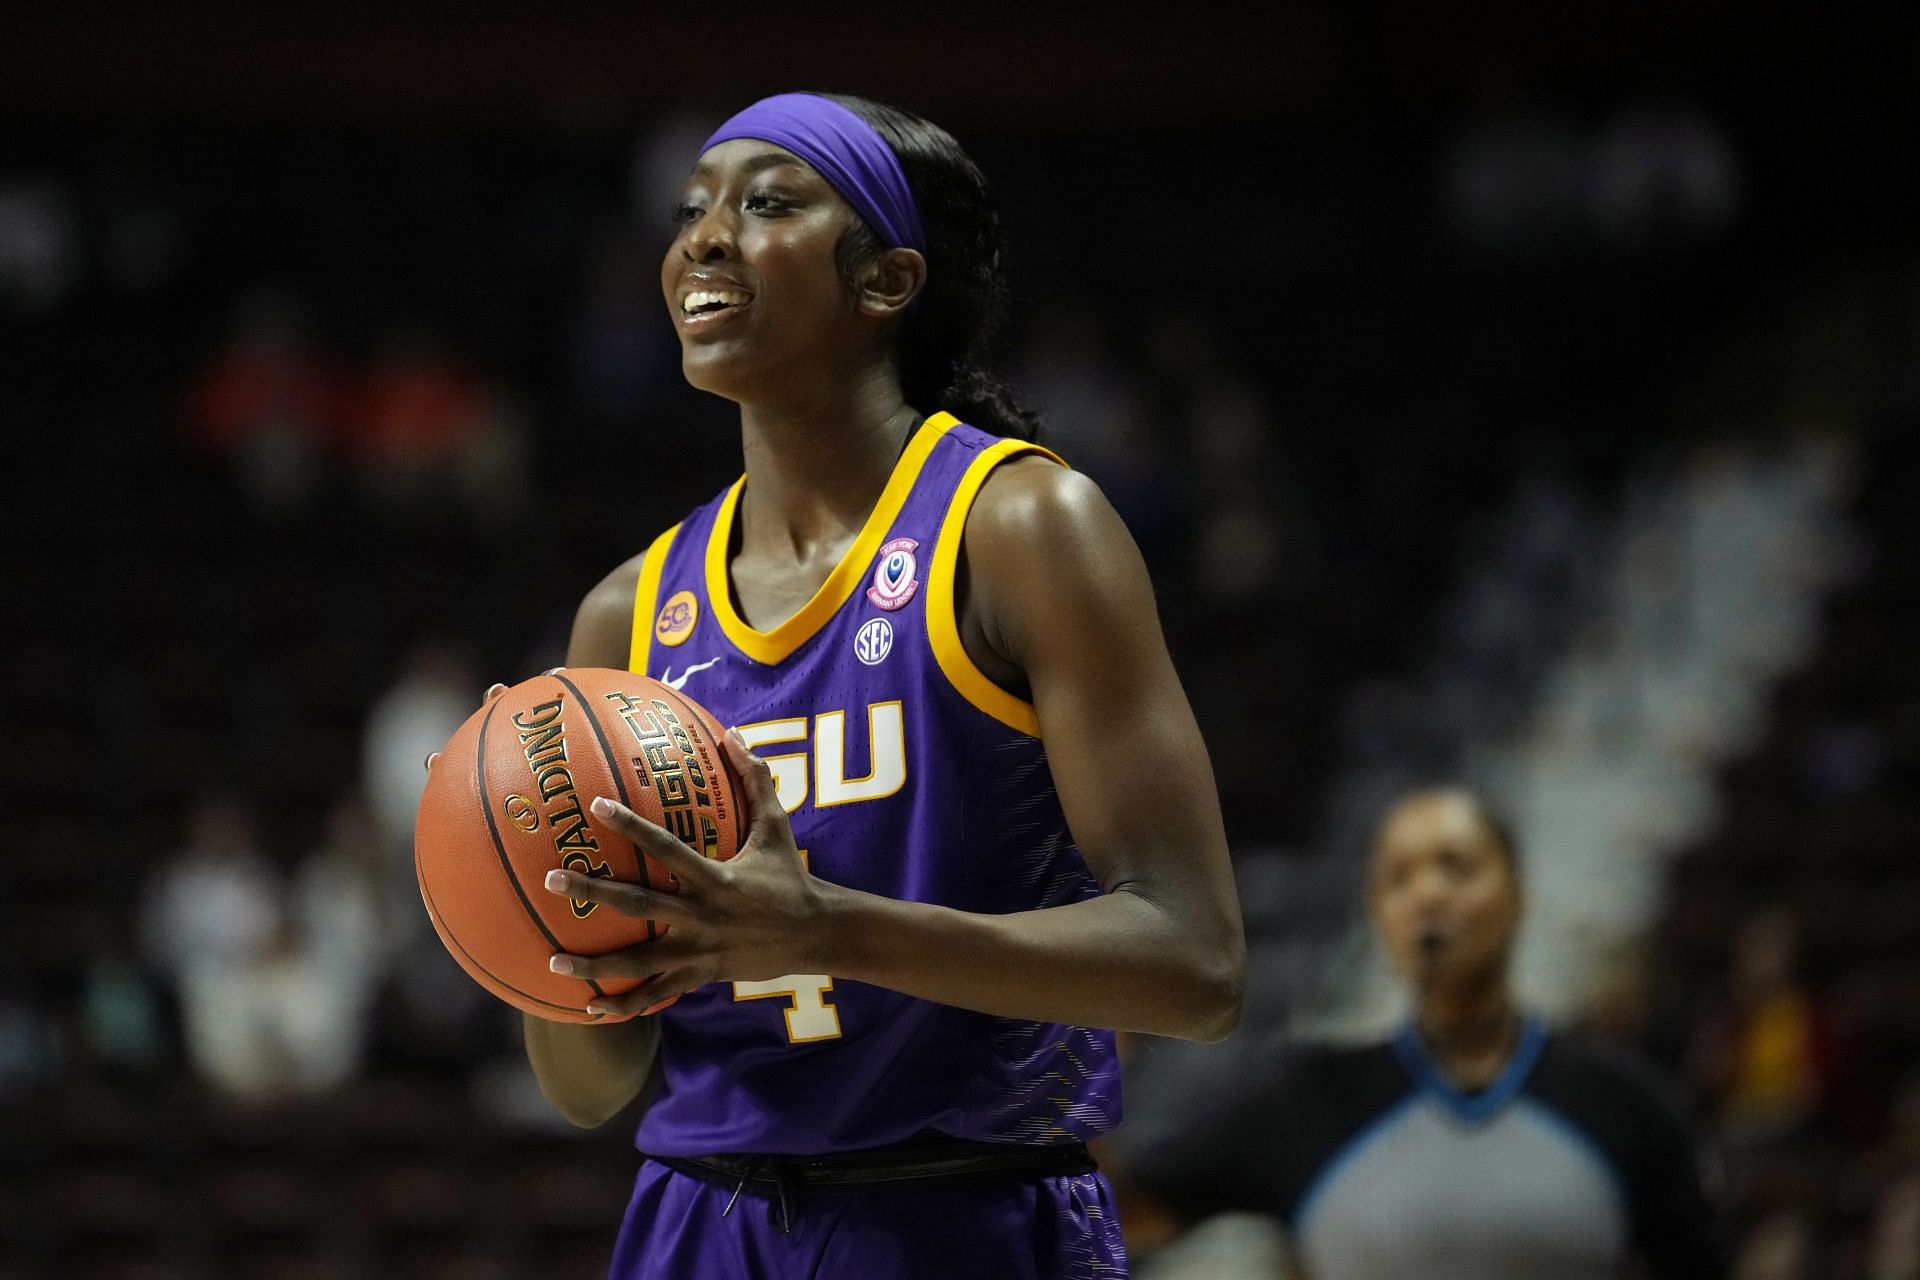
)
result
[(1443, 893), (751, 278)]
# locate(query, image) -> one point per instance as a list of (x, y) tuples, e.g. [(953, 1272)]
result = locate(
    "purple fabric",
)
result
[(976, 826), (1053, 1229), (846, 151)]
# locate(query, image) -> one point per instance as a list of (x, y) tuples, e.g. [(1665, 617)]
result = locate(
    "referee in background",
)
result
[(1475, 1144)]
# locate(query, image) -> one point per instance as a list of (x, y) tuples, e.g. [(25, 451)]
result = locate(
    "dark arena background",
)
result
[(1496, 392)]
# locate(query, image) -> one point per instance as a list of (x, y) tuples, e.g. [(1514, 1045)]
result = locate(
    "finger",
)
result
[(493, 691), (661, 986), (672, 952), (668, 849), (626, 898), (766, 817)]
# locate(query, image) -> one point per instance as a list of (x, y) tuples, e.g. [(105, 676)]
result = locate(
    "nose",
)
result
[(1429, 891), (708, 238)]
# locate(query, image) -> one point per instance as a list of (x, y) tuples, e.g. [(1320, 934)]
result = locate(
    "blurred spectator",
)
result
[(121, 1023), (347, 917), (39, 246), (274, 989), (1655, 173), (28, 1053), (1227, 1246), (211, 919), (282, 1027), (1893, 1239), (1658, 170), (436, 691), (1767, 1057), (214, 905), (269, 401), (1780, 1248), (424, 424)]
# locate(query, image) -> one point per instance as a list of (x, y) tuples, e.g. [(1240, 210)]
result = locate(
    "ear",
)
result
[(892, 281)]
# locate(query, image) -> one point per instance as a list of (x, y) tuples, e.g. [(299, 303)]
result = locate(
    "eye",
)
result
[(764, 201), (683, 213)]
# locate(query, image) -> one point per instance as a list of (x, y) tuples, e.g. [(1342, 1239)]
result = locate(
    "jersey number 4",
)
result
[(809, 1017)]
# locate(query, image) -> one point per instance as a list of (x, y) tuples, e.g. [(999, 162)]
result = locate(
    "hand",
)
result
[(758, 915), (493, 691)]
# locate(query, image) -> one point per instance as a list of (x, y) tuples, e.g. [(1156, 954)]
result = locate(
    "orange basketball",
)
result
[(508, 801)]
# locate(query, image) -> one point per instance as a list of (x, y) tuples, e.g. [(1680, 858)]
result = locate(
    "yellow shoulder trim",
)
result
[(943, 619), (646, 600), (775, 646)]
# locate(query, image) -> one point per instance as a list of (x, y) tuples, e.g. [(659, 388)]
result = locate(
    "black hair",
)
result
[(1491, 818), (1495, 821), (953, 333)]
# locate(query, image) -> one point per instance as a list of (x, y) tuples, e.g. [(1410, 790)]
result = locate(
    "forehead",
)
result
[(1426, 825), (744, 157)]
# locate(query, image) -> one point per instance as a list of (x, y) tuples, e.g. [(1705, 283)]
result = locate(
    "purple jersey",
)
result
[(908, 774)]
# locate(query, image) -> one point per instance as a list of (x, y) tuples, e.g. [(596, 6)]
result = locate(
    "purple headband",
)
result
[(847, 151)]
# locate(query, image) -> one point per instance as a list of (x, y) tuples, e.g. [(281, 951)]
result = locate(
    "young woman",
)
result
[(984, 826)]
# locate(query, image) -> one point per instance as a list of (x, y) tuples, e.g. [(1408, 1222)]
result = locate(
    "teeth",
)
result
[(704, 298)]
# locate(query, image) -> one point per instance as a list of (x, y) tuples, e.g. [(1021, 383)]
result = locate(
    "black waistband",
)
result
[(781, 1179)]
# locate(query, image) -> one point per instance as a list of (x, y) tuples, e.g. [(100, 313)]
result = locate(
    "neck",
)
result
[(815, 468), (1471, 1032)]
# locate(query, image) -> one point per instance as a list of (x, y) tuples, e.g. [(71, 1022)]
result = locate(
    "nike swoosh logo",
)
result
[(680, 681)]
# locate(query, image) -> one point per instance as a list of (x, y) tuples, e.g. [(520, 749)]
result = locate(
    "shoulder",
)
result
[(1622, 1104), (1031, 498), (1045, 547), (1584, 1073)]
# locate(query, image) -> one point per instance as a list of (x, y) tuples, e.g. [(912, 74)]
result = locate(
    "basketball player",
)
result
[(984, 826), (1475, 1144)]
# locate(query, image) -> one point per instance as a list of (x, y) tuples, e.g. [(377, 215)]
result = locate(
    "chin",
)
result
[(724, 377)]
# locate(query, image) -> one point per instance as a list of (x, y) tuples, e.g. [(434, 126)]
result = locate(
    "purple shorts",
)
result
[(1049, 1229)]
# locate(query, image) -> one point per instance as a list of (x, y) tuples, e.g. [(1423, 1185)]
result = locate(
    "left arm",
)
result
[(1161, 951)]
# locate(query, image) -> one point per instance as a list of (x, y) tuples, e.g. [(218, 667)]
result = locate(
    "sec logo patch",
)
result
[(676, 619), (874, 642)]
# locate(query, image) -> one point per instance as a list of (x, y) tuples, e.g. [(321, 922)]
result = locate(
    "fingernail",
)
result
[(556, 880), (598, 1009), (602, 807), (734, 733), (560, 964)]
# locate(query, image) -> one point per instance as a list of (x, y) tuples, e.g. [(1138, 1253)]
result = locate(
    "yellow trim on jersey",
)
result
[(776, 645), (943, 621), (646, 599)]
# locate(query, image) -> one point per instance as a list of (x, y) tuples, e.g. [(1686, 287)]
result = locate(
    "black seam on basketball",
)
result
[(499, 846), (619, 782), (448, 936), (739, 810)]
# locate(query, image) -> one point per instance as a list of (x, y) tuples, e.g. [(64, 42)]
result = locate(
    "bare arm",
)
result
[(589, 1073), (1160, 952)]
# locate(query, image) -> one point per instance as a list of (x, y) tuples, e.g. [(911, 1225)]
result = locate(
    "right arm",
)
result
[(589, 1073)]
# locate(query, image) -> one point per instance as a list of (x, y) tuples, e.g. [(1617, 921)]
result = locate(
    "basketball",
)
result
[(507, 802)]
